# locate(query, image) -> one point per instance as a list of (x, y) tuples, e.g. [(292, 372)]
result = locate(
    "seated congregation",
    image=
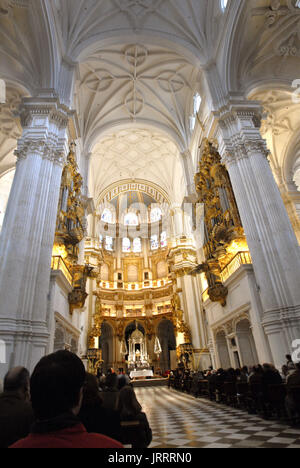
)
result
[(261, 390), (62, 406)]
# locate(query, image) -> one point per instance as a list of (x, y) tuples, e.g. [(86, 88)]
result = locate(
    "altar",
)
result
[(138, 358), (135, 374)]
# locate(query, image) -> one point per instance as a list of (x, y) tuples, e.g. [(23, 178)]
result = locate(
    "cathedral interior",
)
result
[(150, 183)]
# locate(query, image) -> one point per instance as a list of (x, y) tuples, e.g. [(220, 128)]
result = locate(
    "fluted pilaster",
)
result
[(271, 239), (28, 230)]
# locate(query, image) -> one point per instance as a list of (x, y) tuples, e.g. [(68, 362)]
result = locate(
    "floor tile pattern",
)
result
[(182, 421)]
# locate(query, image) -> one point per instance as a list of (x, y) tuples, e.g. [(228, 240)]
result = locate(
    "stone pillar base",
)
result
[(282, 327), (25, 343)]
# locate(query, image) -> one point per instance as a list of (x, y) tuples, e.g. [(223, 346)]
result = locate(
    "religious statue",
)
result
[(138, 358)]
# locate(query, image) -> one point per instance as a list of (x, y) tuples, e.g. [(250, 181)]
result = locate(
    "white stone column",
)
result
[(187, 162), (274, 248), (192, 309), (177, 221), (28, 231)]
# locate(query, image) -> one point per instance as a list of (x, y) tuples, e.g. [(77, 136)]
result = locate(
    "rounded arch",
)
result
[(222, 349), (166, 336), (106, 345), (246, 342), (59, 339), (140, 185)]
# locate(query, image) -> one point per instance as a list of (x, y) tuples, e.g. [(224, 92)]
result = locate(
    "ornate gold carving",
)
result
[(70, 229), (71, 210), (78, 296), (178, 320), (224, 231)]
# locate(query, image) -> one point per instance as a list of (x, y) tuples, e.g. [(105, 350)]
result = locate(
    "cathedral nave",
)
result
[(150, 203)]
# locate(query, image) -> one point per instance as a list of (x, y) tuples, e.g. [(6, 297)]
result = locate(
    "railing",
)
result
[(241, 258), (57, 263), (137, 286)]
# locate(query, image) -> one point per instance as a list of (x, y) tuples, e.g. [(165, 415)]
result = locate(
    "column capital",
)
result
[(44, 121), (238, 131), (46, 108)]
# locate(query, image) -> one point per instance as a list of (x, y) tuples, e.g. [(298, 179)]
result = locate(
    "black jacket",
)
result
[(140, 436), (16, 419), (100, 420)]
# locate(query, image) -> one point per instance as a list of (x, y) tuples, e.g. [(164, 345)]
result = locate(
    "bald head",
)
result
[(17, 380)]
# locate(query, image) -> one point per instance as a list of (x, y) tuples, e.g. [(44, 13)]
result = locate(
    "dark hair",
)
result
[(56, 383), (128, 406), (297, 366), (111, 380), (288, 357), (16, 379), (122, 382), (91, 394)]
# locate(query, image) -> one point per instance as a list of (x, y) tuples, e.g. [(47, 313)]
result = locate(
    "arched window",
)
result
[(137, 245), (163, 239), (155, 215), (109, 243), (107, 216), (154, 242), (131, 219), (197, 103), (126, 245)]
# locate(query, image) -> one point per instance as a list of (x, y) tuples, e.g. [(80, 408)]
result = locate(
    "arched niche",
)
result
[(222, 350), (59, 339), (166, 336), (106, 345), (246, 343), (130, 329)]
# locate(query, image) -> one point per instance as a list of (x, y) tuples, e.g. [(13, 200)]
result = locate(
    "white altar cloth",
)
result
[(141, 373)]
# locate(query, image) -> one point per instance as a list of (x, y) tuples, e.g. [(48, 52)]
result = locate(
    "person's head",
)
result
[(267, 367), (91, 394), (288, 357), (245, 370), (17, 381), (285, 370), (128, 405), (111, 381), (122, 382), (56, 385)]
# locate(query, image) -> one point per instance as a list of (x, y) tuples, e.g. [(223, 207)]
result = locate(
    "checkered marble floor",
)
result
[(182, 421)]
